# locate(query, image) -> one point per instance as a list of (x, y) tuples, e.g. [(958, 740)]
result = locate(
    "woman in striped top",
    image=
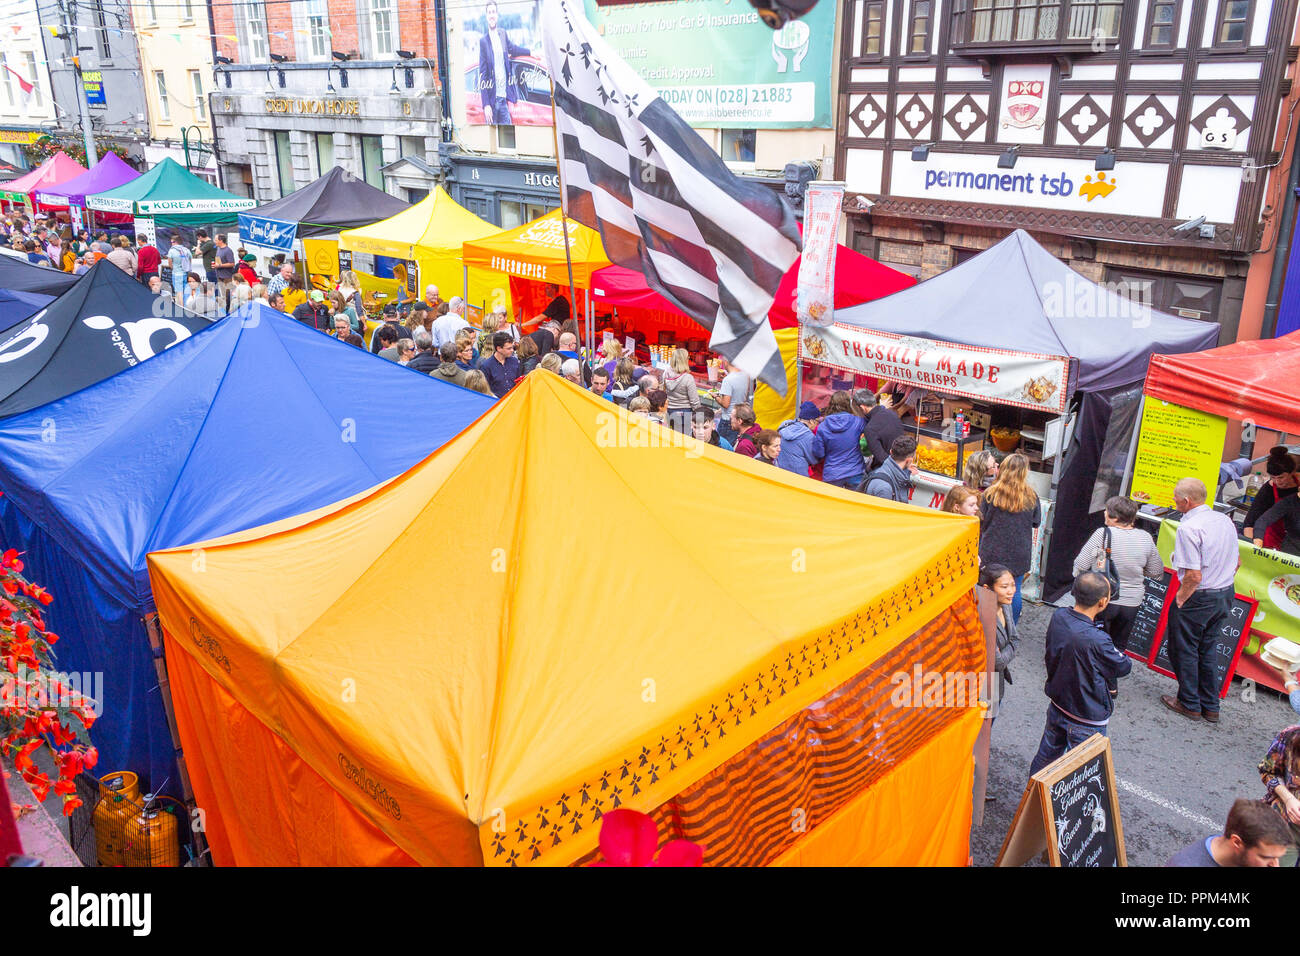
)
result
[(1134, 555)]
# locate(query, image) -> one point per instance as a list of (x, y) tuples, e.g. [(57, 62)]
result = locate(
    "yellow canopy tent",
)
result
[(430, 232), (535, 251), (739, 680)]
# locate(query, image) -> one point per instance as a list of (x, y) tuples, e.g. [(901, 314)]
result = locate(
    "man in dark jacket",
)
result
[(882, 427), (426, 359), (496, 75), (893, 479), (314, 312), (1080, 659)]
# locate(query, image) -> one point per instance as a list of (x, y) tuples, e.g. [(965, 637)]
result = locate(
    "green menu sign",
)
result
[(718, 65)]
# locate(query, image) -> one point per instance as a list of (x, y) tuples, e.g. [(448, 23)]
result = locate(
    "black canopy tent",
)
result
[(104, 324), (337, 200), (17, 275)]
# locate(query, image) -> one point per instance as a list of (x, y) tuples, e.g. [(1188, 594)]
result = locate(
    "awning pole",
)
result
[(464, 269)]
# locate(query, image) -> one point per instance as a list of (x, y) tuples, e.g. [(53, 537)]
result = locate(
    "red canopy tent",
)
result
[(1253, 380), (858, 279)]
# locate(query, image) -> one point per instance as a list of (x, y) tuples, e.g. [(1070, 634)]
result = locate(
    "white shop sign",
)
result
[(1023, 379), (1130, 189)]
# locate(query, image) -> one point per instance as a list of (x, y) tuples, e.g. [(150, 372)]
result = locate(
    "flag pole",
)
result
[(564, 219)]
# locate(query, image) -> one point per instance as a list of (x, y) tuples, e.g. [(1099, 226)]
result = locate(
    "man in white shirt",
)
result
[(1205, 558), (445, 327)]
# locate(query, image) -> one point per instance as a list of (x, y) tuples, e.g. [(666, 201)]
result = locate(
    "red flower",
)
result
[(629, 838), (65, 787), (90, 758), (70, 804), (10, 560), (51, 637)]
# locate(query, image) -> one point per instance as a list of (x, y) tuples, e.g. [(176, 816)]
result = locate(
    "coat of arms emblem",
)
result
[(1024, 108)]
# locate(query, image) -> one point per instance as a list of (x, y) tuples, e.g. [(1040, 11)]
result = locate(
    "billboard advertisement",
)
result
[(714, 62)]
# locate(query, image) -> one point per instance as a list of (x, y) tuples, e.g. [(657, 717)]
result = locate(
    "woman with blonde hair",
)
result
[(624, 387), (476, 381), (1009, 514), (612, 349), (683, 396), (980, 472), (552, 361)]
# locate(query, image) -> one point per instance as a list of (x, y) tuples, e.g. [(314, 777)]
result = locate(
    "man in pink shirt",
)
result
[(1205, 558)]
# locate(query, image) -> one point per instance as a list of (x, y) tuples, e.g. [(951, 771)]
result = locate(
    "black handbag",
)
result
[(1106, 566)]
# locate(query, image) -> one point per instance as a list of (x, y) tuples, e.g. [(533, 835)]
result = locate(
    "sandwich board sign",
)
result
[(1070, 809)]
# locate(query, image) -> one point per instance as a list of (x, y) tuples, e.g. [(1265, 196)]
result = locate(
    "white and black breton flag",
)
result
[(665, 203)]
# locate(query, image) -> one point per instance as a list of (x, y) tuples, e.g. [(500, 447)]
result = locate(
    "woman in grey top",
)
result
[(999, 579), (1134, 554)]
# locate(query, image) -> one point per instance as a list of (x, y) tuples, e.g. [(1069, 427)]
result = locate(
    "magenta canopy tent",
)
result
[(109, 173)]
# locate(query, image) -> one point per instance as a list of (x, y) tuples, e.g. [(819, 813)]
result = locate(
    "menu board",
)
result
[(1070, 810), (1149, 623), (1175, 443), (1227, 651)]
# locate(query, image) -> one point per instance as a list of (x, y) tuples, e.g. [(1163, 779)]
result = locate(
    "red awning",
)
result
[(858, 279), (1247, 380)]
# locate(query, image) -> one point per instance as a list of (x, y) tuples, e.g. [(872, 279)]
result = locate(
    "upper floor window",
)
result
[(255, 31), (873, 23), (318, 29), (1162, 23), (383, 30), (1040, 22), (101, 32), (918, 34), (1234, 23)]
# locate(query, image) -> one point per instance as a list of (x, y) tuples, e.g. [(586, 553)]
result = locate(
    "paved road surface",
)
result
[(1177, 777)]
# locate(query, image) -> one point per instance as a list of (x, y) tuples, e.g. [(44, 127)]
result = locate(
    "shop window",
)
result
[(372, 160), (738, 145), (1233, 30), (512, 214), (1162, 24), (324, 153), (284, 162)]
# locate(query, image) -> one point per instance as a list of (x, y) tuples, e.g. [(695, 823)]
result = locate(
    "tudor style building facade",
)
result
[(1135, 139)]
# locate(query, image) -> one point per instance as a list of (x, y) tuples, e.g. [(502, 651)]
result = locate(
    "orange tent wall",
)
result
[(290, 817)]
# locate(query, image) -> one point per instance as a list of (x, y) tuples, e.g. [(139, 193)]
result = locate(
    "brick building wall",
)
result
[(417, 30)]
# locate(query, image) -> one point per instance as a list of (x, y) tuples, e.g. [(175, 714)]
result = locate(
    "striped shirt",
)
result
[(1135, 557)]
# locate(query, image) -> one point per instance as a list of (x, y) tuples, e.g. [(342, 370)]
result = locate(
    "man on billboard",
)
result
[(497, 86)]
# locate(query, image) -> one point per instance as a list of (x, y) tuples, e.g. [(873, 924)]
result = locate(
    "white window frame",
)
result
[(153, 11), (256, 32), (200, 97), (316, 23), (187, 11), (9, 80), (164, 102), (388, 8), (38, 99)]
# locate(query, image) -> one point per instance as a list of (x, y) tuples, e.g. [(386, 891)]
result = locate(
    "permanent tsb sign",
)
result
[(1023, 379), (1130, 189)]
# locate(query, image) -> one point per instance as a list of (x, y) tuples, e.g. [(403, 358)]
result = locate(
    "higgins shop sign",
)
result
[(1023, 379), (1130, 189), (269, 233)]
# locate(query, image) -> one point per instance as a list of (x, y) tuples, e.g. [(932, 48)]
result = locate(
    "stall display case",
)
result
[(939, 450)]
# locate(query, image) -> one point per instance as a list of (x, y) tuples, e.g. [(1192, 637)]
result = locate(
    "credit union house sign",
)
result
[(314, 107)]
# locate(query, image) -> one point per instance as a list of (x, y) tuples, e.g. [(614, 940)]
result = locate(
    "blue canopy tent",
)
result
[(1018, 296), (254, 419)]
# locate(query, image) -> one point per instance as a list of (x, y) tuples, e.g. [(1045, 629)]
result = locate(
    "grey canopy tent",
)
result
[(1016, 295)]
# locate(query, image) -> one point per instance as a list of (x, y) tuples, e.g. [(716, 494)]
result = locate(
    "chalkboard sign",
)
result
[(1232, 638), (1149, 623), (1070, 809)]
